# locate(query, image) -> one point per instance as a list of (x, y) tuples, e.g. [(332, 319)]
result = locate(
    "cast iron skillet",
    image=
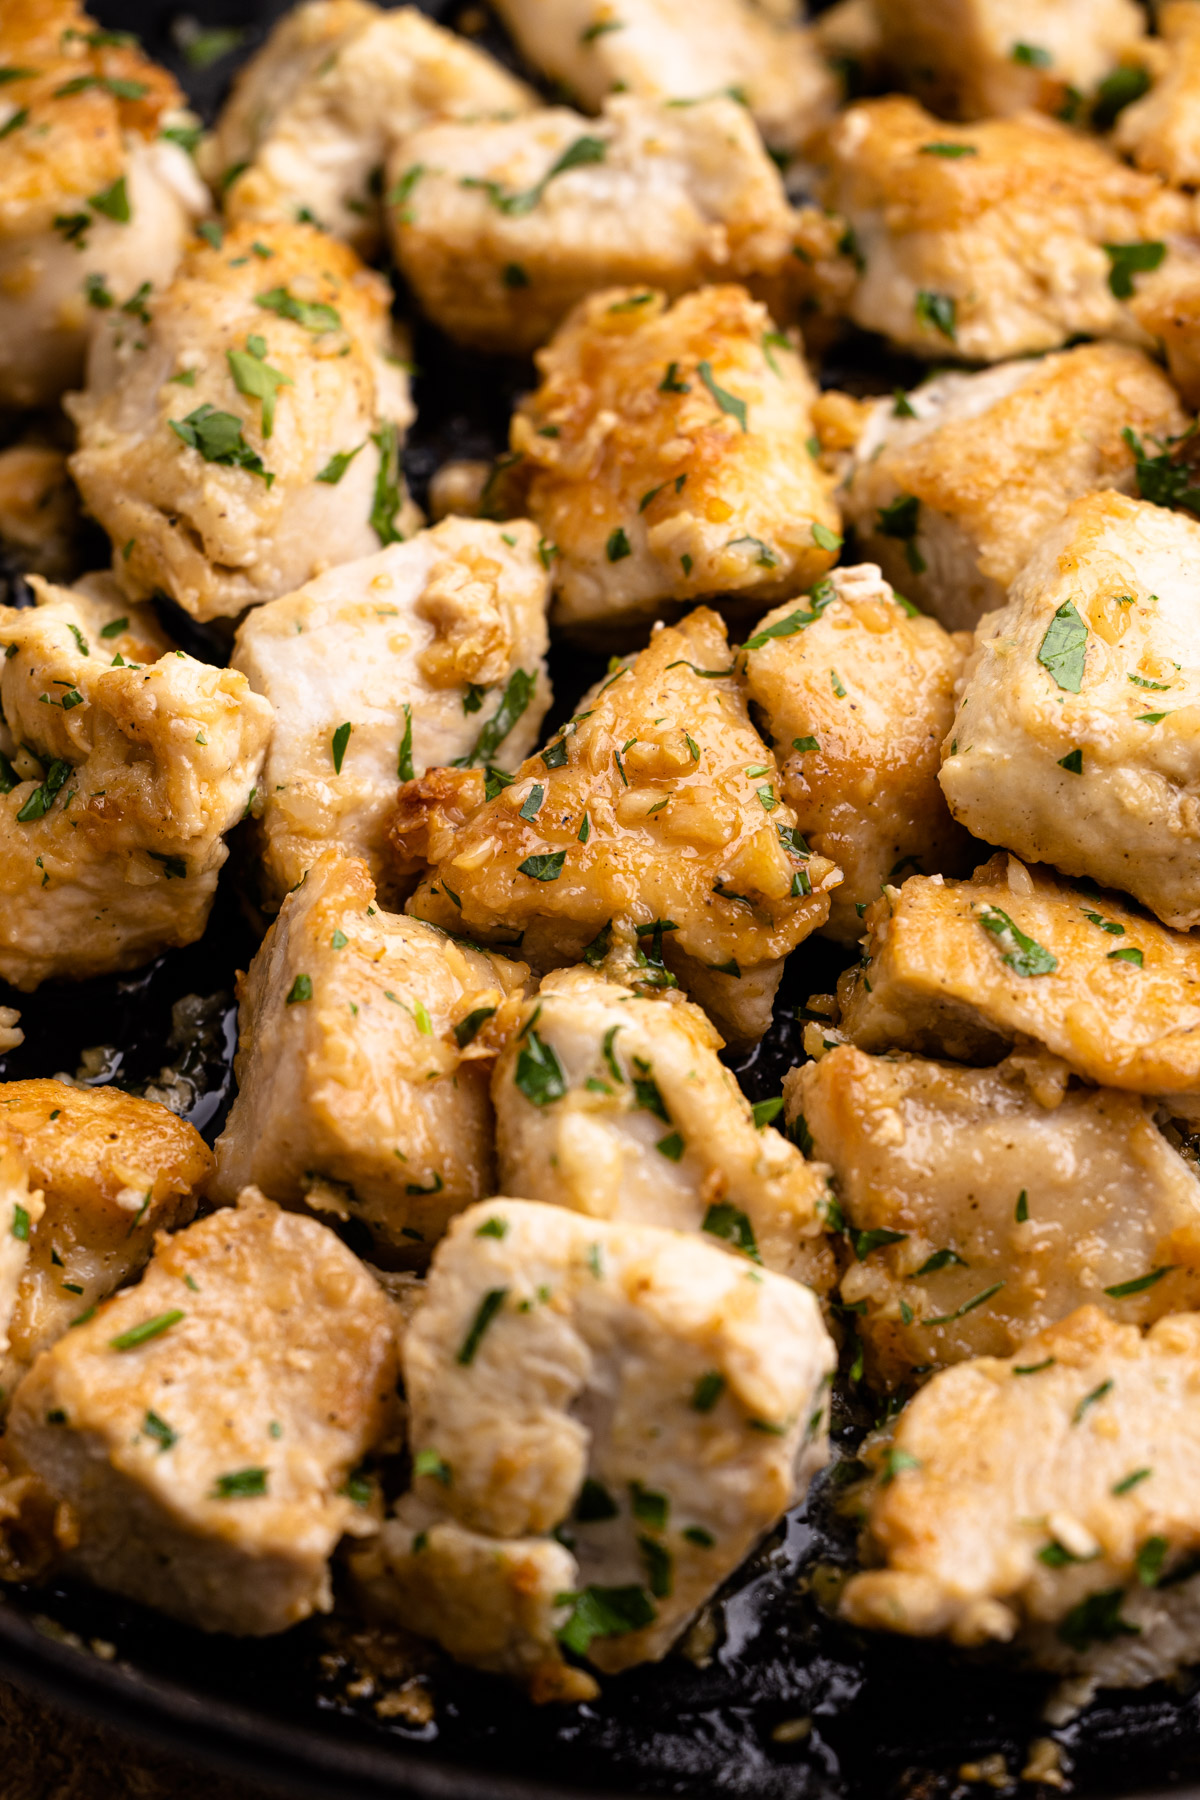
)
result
[(788, 1705)]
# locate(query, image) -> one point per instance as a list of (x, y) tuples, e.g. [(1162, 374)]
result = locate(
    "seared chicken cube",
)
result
[(248, 437), (117, 784), (112, 1170), (654, 815), (666, 456), (979, 59), (428, 653), (39, 508), (501, 228), (618, 1106), (202, 1427), (966, 968), (984, 1204), (951, 489), (992, 240), (362, 1074), (651, 1401), (1050, 1499), (856, 691), (313, 115), (667, 50), (1160, 131), (97, 202), (1073, 741)]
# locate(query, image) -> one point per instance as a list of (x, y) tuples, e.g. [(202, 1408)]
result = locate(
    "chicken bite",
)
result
[(651, 1401), (117, 784), (856, 691), (617, 1106), (248, 437), (112, 1170), (428, 653), (1160, 131), (654, 815), (203, 1425), (1074, 739), (96, 199), (1050, 1500), (312, 115), (667, 455), (363, 1062), (666, 50), (1014, 956), (953, 484), (984, 1204), (992, 240), (500, 228), (980, 59)]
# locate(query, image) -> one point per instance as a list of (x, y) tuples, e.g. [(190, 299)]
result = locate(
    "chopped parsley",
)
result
[(1128, 260), (1096, 1620), (1115, 93), (707, 1391), (160, 1431), (728, 403), (20, 1223), (866, 1241), (618, 546), (240, 1484), (1026, 957), (967, 1306), (671, 384), (315, 315), (1131, 1481), (1072, 762), (1031, 56), (1063, 648), (489, 1306), (148, 1329), (939, 312), (731, 1225), (301, 989), (942, 1259), (1089, 1400), (428, 1462), (894, 1462), (820, 597), (341, 738), (1161, 479), (515, 205), (43, 797), (467, 1030), (766, 1111), (389, 485), (218, 438), (604, 1612), (337, 465), (1139, 1284), (1131, 954), (516, 697), (943, 147), (594, 1503), (539, 1074), (545, 867)]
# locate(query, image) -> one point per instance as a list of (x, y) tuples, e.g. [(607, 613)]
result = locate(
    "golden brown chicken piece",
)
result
[(682, 52), (659, 1402), (428, 653), (856, 691), (501, 227), (979, 59), (954, 483), (650, 831), (1015, 955), (637, 1119), (248, 438), (363, 1063), (993, 240), (202, 1426), (122, 765), (1074, 740), (1049, 1499), (667, 455), (313, 114), (112, 1170), (1160, 132), (984, 1204), (95, 201)]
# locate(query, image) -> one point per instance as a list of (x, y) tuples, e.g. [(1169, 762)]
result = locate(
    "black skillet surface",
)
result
[(867, 1719)]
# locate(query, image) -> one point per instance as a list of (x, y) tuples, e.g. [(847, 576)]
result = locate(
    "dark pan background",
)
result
[(891, 1720)]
